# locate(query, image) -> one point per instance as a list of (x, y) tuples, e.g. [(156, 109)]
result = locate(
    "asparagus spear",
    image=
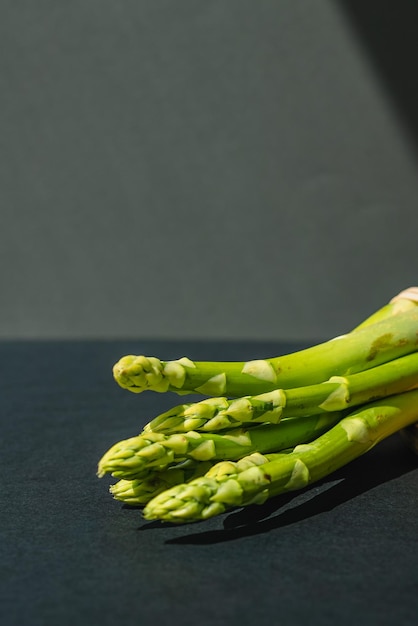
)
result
[(336, 394), (127, 458), (351, 437), (211, 413), (139, 491), (354, 352), (219, 412)]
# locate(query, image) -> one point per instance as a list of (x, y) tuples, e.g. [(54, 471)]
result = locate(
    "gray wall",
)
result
[(213, 169)]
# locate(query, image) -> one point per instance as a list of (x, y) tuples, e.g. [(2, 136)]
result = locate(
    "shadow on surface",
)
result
[(388, 33), (389, 461)]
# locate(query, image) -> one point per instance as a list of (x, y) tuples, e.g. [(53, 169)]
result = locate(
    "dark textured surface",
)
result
[(342, 552)]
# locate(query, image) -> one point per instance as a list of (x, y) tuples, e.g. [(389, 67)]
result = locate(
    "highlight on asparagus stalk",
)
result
[(128, 458), (351, 437), (336, 394)]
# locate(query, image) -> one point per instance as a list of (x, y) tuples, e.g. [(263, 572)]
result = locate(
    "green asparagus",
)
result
[(127, 458), (354, 352), (288, 420), (139, 491), (336, 394), (351, 437)]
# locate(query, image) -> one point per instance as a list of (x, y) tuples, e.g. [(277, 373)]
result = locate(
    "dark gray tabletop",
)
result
[(341, 552)]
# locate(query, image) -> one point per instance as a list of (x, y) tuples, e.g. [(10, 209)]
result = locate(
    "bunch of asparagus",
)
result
[(266, 426)]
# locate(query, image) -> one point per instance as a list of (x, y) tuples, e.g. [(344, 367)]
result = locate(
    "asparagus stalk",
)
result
[(354, 352), (128, 458), (217, 413), (336, 394), (351, 437)]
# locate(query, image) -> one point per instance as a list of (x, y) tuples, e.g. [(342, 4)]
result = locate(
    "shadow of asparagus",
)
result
[(387, 461)]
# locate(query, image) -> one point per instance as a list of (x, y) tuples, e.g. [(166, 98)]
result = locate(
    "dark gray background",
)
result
[(205, 168)]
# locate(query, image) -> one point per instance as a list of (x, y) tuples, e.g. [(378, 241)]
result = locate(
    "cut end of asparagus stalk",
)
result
[(411, 293)]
